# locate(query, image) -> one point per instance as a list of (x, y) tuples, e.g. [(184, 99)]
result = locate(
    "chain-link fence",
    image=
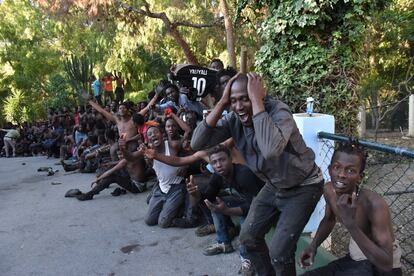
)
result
[(390, 173)]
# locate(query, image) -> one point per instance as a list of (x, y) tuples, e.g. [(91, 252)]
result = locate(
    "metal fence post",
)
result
[(411, 116), (362, 117)]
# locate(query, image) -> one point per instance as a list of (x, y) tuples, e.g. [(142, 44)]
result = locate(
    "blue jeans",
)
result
[(288, 209), (223, 222), (163, 208)]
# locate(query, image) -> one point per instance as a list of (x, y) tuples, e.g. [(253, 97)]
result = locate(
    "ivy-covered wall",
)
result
[(311, 48)]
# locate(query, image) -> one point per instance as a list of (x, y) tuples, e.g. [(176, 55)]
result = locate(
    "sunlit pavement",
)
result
[(44, 233)]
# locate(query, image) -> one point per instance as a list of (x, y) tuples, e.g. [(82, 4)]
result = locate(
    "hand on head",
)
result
[(255, 87), (225, 98)]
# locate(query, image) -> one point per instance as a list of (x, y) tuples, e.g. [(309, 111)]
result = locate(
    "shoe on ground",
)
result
[(246, 268), (73, 193), (205, 230), (218, 248), (83, 197)]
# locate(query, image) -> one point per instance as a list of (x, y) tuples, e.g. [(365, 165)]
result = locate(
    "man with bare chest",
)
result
[(372, 248), (124, 123), (123, 119), (124, 174)]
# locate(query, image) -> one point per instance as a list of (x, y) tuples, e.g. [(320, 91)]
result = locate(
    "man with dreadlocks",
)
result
[(372, 249)]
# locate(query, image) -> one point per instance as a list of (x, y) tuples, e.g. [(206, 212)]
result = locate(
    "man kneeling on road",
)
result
[(236, 185)]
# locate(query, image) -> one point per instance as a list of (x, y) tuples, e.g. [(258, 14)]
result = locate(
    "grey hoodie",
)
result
[(273, 148)]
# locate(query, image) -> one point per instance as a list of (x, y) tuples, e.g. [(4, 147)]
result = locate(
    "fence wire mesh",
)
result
[(391, 176)]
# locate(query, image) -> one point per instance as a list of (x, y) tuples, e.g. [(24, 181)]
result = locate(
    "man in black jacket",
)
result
[(266, 135)]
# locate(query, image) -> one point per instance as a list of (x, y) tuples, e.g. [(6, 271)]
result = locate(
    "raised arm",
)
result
[(101, 110), (175, 160), (186, 128), (149, 105), (272, 134), (210, 132)]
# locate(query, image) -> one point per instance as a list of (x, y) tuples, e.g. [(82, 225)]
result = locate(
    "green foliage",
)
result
[(59, 94), (389, 52), (142, 95), (151, 33), (79, 71), (27, 57), (310, 48), (25, 36), (13, 107), (140, 68), (19, 108)]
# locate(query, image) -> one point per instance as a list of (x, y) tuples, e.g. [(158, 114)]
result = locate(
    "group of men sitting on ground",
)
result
[(245, 158)]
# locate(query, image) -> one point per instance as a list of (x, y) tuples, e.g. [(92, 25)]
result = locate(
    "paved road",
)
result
[(43, 233)]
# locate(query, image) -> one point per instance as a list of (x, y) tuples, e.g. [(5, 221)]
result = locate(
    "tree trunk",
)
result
[(191, 58), (172, 30), (229, 33)]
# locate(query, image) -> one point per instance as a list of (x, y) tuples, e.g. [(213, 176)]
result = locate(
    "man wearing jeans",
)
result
[(168, 196), (266, 135), (229, 193)]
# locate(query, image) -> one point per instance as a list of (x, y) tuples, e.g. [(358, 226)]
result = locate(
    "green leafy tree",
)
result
[(389, 62), (311, 48), (153, 20), (26, 36), (58, 93), (28, 55), (79, 71)]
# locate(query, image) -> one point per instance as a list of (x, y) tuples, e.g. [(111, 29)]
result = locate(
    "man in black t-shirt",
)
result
[(230, 192)]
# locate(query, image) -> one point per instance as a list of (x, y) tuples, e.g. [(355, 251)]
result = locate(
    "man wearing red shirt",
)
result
[(108, 90)]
